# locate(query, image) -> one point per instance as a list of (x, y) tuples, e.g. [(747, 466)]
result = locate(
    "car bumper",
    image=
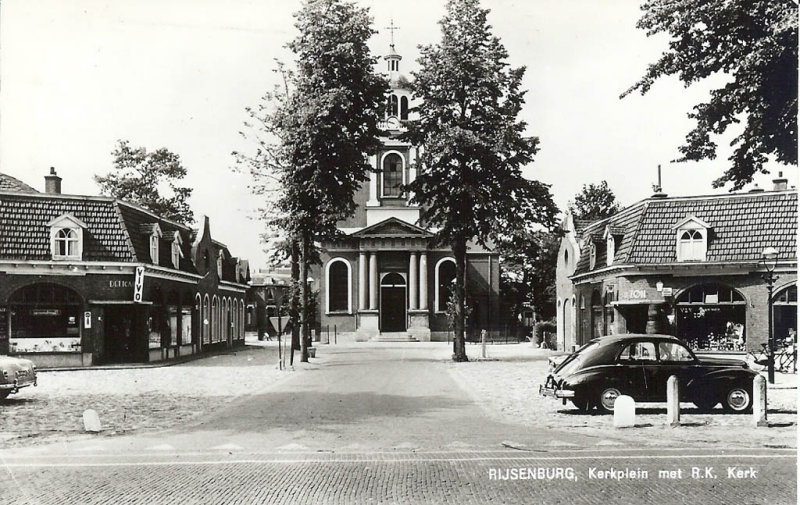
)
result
[(556, 393), (18, 383)]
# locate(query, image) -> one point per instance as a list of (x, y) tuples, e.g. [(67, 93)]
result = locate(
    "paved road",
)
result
[(383, 425)]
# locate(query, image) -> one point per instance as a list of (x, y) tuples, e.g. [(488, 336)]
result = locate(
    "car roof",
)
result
[(628, 337)]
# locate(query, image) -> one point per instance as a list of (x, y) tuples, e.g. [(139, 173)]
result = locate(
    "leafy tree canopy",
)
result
[(595, 201), (149, 179), (754, 43), (474, 145)]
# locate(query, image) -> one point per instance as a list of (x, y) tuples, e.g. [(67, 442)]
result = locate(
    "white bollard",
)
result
[(673, 402), (760, 401), (91, 421), (483, 344), (624, 412)]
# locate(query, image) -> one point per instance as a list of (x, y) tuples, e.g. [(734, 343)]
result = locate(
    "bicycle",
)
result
[(758, 360), (786, 360)]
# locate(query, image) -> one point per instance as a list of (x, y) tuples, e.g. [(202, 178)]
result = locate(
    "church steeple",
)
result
[(392, 59)]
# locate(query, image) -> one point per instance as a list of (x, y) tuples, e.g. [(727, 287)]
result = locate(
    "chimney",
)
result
[(780, 184), (658, 191), (52, 183), (756, 189)]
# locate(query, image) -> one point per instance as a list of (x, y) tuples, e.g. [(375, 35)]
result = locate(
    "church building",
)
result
[(386, 280)]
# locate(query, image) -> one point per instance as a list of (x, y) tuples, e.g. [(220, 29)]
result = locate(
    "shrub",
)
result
[(543, 328)]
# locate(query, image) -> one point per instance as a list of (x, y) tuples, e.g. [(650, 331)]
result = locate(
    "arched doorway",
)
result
[(393, 302), (784, 313)]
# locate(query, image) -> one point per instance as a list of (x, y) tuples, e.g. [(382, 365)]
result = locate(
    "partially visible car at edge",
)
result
[(639, 366), (15, 373)]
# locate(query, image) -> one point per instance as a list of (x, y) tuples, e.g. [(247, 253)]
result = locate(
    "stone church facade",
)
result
[(386, 280)]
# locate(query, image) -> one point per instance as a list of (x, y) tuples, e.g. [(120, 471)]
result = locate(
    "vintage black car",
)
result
[(639, 366)]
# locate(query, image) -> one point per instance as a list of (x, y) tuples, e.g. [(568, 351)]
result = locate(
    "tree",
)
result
[(318, 129), (470, 185), (752, 42), (142, 177), (528, 271), (595, 201)]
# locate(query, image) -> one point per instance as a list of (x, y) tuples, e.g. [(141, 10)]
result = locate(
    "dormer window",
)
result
[(691, 239), (220, 258), (66, 243), (154, 248), (592, 255), (610, 250), (66, 237), (177, 254)]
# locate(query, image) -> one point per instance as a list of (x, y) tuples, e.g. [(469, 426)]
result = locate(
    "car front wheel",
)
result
[(607, 399), (737, 399)]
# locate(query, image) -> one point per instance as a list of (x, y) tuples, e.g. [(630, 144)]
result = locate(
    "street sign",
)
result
[(87, 319)]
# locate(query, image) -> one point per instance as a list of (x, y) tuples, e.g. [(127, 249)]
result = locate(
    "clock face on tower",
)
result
[(393, 123)]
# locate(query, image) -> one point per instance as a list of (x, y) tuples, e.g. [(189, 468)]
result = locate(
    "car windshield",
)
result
[(574, 362)]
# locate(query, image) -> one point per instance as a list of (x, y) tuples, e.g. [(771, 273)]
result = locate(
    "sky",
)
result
[(77, 76)]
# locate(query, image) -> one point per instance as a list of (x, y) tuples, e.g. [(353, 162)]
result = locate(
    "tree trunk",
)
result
[(459, 345), (304, 246), (294, 301)]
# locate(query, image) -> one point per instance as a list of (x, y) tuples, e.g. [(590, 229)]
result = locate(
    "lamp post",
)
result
[(278, 304), (769, 260)]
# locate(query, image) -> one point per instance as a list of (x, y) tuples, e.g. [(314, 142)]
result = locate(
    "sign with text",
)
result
[(87, 319), (138, 285)]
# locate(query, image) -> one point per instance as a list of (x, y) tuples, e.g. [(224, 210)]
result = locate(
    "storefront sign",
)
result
[(666, 291), (138, 285), (634, 294), (87, 319), (45, 312), (120, 284)]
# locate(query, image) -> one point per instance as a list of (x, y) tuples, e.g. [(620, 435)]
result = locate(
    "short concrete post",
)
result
[(624, 412), (91, 421), (673, 402), (760, 401), (483, 344)]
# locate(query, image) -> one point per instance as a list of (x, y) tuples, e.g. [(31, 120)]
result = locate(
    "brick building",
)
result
[(686, 266), (386, 280), (87, 280)]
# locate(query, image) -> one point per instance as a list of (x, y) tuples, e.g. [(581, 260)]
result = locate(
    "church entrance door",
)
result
[(393, 302)]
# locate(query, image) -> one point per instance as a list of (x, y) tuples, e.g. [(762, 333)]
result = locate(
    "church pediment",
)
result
[(392, 228)]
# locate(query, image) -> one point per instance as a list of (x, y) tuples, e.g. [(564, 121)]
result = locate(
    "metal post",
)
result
[(334, 334), (280, 343), (771, 339)]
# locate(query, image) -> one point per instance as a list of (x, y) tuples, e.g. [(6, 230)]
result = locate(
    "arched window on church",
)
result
[(338, 286), (392, 174), (393, 105), (445, 278), (404, 108)]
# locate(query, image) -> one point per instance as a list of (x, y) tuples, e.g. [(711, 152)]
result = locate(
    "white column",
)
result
[(373, 281), (412, 281), (373, 184), (423, 281), (412, 175), (362, 281)]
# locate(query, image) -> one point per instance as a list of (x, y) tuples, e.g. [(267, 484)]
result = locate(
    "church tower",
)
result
[(385, 279)]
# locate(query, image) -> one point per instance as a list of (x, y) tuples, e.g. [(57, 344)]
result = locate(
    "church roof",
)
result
[(392, 228)]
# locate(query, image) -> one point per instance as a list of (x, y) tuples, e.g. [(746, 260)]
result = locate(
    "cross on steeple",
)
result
[(391, 29)]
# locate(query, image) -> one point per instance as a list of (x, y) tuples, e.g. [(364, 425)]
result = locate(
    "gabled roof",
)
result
[(742, 226), (392, 228), (690, 219)]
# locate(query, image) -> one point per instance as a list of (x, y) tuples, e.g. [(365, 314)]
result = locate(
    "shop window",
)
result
[(784, 315), (66, 237), (392, 175), (445, 280), (711, 316), (339, 286), (45, 317)]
